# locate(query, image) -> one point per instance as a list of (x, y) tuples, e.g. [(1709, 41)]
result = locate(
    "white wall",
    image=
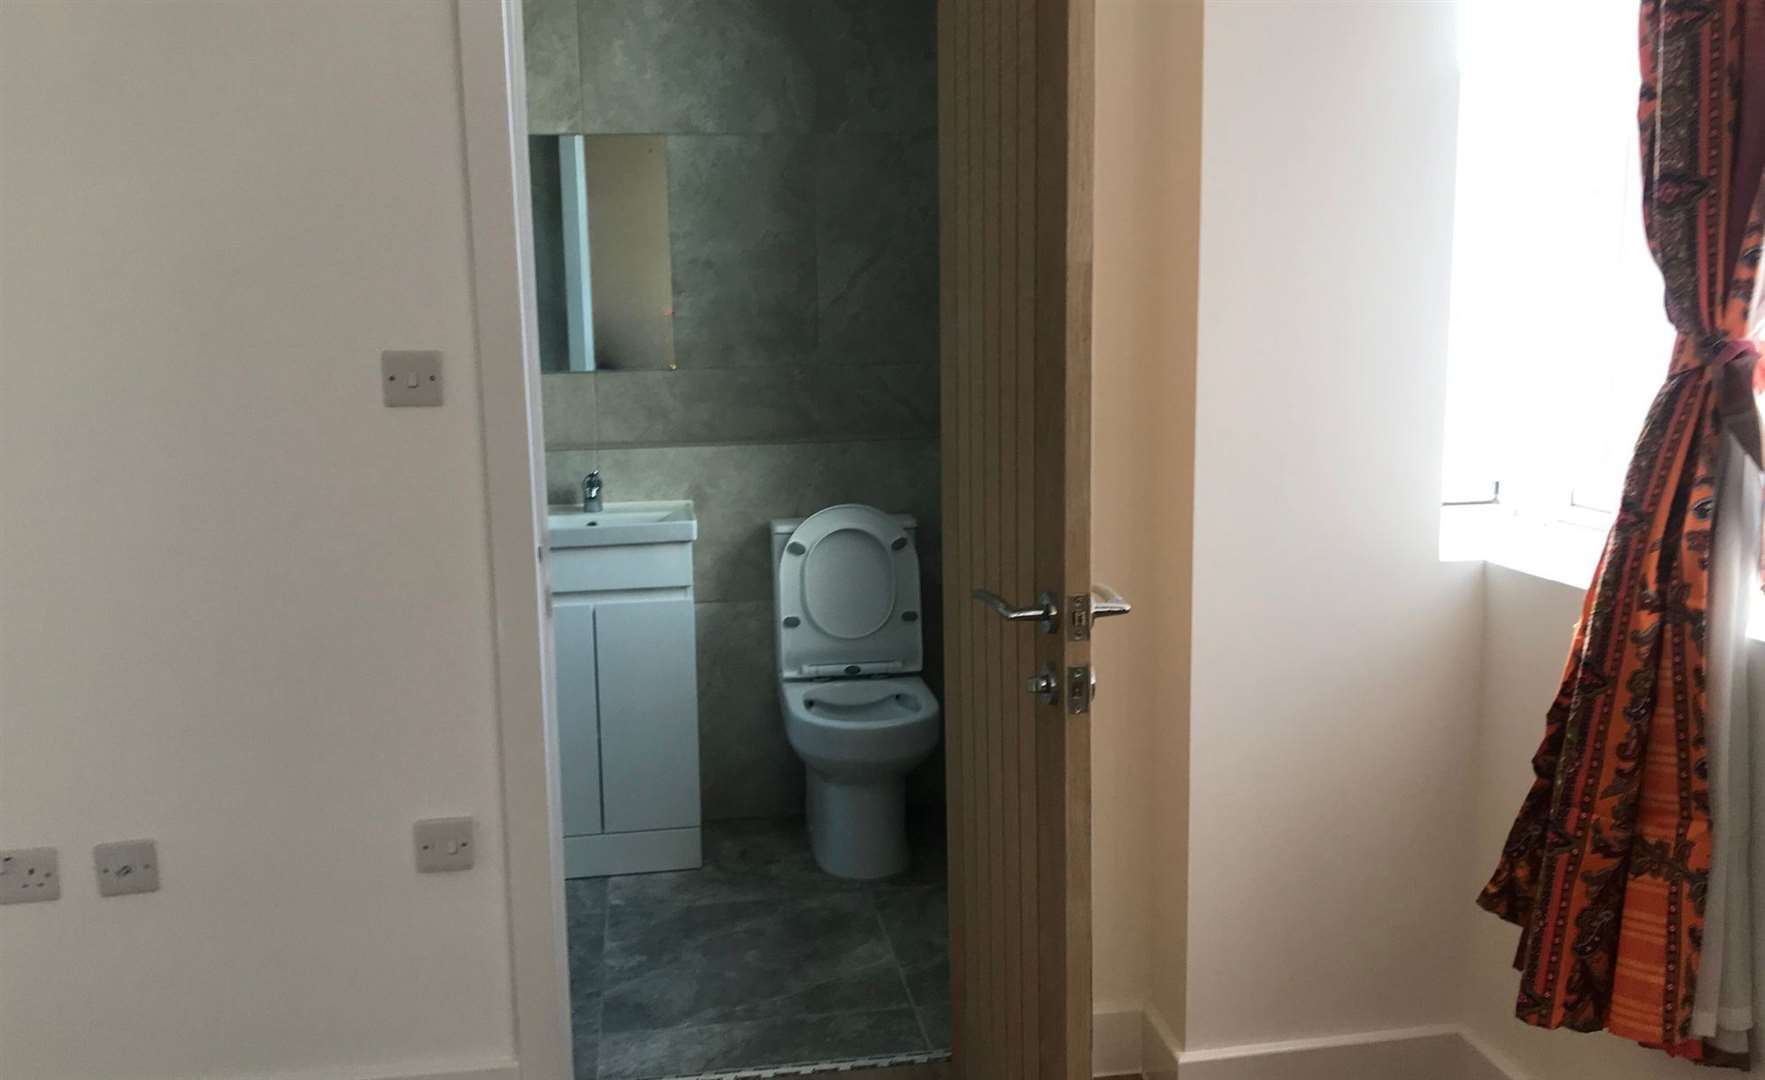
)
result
[(1147, 217), (1334, 666), (1362, 716), (244, 609)]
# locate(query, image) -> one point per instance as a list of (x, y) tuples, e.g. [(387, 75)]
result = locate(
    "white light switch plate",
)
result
[(126, 866), (444, 844), (410, 378), (28, 875)]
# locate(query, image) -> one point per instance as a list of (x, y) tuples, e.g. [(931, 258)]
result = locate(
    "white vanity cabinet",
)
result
[(627, 688)]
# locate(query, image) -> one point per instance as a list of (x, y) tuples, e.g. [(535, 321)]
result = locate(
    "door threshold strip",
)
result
[(820, 1068)]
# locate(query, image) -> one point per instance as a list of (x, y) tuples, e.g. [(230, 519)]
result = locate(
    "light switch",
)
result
[(410, 377), (126, 866), (444, 844)]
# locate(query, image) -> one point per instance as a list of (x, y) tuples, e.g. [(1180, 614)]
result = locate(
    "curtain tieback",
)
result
[(1732, 351), (1736, 364)]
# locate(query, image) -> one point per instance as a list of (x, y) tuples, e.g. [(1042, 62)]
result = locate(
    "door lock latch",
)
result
[(1084, 609), (1081, 689), (1043, 685)]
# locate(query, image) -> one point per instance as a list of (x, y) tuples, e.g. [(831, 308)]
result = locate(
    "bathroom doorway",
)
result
[(774, 329), (736, 264)]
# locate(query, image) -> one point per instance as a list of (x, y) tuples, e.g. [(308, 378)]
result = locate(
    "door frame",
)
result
[(493, 95), (493, 86)]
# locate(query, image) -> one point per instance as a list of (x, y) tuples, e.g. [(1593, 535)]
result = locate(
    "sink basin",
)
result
[(622, 523)]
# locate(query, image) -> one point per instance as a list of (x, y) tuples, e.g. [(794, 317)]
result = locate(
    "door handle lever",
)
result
[(1048, 613), (1086, 608), (1108, 602)]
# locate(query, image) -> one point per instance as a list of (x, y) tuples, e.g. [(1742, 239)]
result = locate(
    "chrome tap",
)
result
[(591, 492)]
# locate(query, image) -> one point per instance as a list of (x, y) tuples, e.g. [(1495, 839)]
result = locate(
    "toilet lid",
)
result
[(848, 596)]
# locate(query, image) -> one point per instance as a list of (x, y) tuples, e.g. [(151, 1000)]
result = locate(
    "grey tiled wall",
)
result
[(802, 197), (730, 66)]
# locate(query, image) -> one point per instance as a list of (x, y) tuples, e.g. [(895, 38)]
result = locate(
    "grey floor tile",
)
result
[(788, 1041), (585, 1034), (585, 899), (936, 1021), (586, 964), (917, 921), (744, 860), (585, 920), (746, 960), (761, 959)]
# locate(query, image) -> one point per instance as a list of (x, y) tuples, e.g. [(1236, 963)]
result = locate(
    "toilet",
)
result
[(847, 619)]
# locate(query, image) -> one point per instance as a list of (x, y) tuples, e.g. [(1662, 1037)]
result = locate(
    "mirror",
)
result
[(603, 271)]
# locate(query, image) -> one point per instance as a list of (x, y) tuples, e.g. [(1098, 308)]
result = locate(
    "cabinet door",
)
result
[(649, 714), (579, 754)]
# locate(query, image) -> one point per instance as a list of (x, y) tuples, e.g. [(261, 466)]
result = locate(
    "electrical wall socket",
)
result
[(444, 844), (28, 875), (126, 866)]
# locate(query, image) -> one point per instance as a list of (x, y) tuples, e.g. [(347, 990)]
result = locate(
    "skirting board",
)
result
[(492, 1069), (1158, 1048), (510, 1071), (1115, 1041), (1439, 1053)]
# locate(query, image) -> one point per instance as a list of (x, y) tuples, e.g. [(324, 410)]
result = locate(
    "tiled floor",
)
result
[(757, 959)]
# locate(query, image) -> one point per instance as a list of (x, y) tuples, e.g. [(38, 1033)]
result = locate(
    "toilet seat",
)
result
[(860, 701), (860, 730), (848, 596)]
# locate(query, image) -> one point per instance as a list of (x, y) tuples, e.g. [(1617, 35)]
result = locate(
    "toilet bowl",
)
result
[(854, 708)]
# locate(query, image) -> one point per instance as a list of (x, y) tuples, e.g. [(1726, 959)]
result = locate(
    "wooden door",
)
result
[(1015, 99)]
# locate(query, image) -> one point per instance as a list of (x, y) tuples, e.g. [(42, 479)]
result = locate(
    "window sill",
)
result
[(1561, 551)]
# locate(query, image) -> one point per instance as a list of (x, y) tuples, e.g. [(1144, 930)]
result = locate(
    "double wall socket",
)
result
[(28, 875)]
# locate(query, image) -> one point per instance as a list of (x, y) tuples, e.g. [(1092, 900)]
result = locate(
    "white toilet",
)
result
[(846, 589)]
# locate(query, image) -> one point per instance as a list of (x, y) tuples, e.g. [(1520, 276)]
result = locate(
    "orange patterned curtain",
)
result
[(1606, 868)]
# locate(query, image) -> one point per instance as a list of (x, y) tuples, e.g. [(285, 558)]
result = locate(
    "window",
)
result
[(1558, 339)]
